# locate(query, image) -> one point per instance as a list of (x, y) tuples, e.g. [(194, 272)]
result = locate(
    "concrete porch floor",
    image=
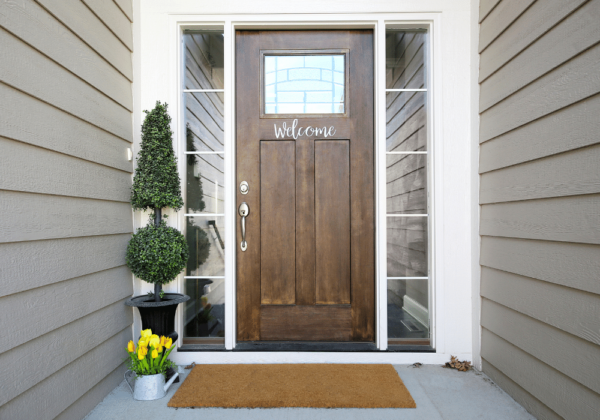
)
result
[(439, 393)]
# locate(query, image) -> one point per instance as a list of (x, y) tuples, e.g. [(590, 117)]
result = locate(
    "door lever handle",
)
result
[(244, 211)]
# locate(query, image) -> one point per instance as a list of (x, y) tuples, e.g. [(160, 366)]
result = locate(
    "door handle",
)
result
[(244, 211)]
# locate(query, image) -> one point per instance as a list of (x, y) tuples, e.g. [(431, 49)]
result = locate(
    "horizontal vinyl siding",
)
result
[(540, 203), (65, 126)]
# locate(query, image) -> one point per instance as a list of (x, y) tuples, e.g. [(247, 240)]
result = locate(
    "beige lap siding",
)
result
[(65, 126), (540, 203)]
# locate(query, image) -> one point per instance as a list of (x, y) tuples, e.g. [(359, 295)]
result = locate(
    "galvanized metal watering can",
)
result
[(150, 387)]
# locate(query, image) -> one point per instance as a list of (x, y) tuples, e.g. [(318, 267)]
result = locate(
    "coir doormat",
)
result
[(293, 385)]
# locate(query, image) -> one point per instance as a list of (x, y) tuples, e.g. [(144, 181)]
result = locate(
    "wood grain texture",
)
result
[(571, 173), (278, 224), (115, 20), (88, 401), (567, 264), (68, 384), (248, 263), (563, 86), (44, 309), (126, 7), (25, 168), (570, 310), (570, 37), (562, 394), (332, 221), (321, 323), (566, 353), (485, 7), (305, 223), (357, 130), (533, 23), (75, 15), (362, 207), (29, 71), (565, 219), (30, 217), (53, 129), (503, 15), (91, 331), (528, 401), (567, 129), (58, 260), (54, 40)]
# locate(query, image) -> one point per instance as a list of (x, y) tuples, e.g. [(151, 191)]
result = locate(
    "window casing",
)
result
[(389, 218)]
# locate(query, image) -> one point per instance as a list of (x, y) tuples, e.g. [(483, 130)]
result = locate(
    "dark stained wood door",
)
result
[(308, 273)]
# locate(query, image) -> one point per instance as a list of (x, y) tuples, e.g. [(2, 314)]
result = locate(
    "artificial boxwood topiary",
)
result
[(157, 254), (156, 183)]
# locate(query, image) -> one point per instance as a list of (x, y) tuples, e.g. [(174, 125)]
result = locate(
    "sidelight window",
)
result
[(204, 188), (407, 203)]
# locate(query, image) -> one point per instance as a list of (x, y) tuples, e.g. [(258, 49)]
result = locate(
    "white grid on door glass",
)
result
[(407, 177)]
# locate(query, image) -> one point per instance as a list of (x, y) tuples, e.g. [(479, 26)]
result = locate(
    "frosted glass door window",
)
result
[(304, 84)]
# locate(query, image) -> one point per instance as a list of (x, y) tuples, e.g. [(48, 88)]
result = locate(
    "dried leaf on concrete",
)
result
[(454, 363)]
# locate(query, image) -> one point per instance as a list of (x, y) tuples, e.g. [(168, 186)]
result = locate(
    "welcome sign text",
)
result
[(295, 132)]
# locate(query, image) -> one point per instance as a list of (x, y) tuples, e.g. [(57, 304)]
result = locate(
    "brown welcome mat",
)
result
[(293, 385)]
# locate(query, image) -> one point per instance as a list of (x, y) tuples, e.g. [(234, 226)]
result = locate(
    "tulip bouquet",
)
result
[(151, 355)]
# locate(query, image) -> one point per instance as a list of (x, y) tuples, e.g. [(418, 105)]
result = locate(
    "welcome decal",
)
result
[(295, 132)]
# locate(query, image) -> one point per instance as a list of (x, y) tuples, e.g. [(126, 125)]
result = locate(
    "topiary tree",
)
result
[(157, 253)]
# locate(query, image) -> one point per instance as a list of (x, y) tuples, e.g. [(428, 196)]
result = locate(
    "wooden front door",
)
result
[(305, 148)]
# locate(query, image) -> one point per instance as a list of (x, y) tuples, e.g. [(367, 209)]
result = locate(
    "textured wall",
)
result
[(540, 203), (65, 126)]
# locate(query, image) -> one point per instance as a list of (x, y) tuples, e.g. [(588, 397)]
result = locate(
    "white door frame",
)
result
[(176, 24)]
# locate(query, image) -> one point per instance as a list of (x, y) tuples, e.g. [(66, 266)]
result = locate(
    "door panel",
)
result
[(332, 221), (278, 227), (308, 273)]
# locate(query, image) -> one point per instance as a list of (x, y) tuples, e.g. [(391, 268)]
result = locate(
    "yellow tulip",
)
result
[(143, 342), (142, 352), (154, 354), (130, 347), (146, 333), (169, 342), (154, 341), (163, 339)]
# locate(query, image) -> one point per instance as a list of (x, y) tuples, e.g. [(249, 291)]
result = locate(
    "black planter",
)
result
[(159, 316)]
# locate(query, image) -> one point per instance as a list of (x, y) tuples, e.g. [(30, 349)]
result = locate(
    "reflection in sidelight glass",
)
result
[(406, 121), (204, 312), (304, 84), (204, 122), (204, 63), (406, 59), (408, 310), (407, 247), (407, 195), (406, 184), (205, 179), (204, 190)]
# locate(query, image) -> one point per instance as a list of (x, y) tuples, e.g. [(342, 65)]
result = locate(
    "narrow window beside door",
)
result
[(407, 204), (203, 100)]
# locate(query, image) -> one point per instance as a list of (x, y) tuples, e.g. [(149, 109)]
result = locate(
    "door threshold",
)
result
[(304, 346)]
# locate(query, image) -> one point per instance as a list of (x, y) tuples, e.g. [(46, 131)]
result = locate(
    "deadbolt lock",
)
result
[(244, 187)]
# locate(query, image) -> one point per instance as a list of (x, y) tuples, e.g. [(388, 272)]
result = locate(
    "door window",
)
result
[(304, 84)]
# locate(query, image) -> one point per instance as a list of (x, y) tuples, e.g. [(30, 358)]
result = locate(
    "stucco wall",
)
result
[(540, 201), (65, 219)]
